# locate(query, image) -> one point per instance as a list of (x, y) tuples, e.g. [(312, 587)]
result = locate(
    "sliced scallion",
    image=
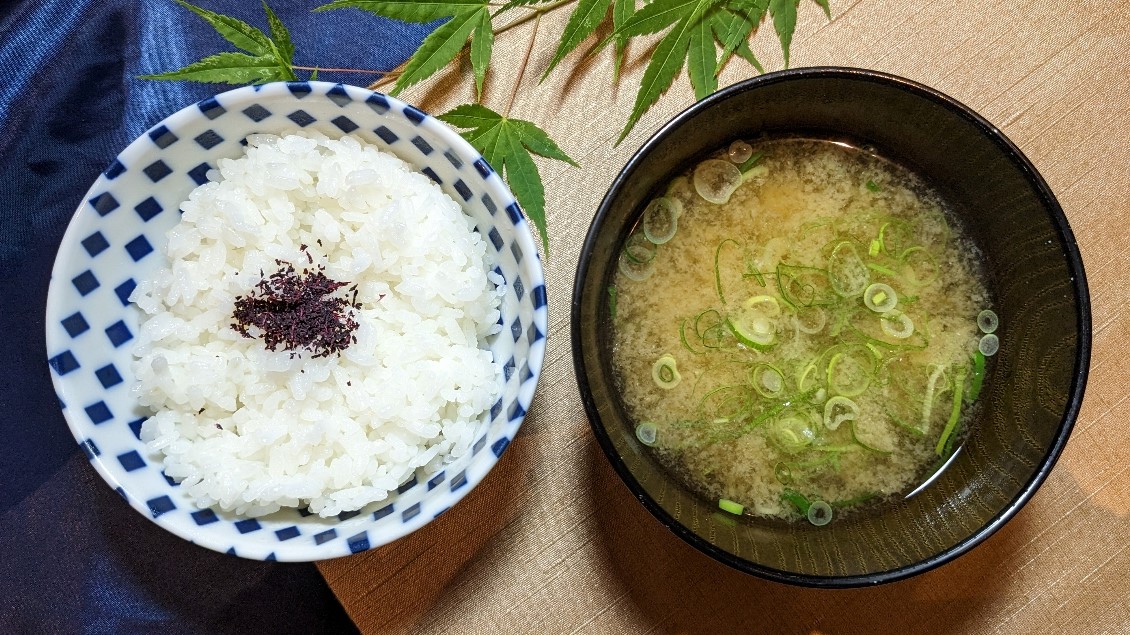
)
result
[(634, 270), (846, 271), (942, 447), (810, 320), (730, 506), (897, 324), (612, 301), (977, 378), (767, 380), (880, 297), (819, 513), (796, 499), (739, 151), (839, 409), (716, 180), (639, 249), (660, 220), (784, 473), (665, 372), (849, 371), (989, 345), (987, 321), (646, 432)]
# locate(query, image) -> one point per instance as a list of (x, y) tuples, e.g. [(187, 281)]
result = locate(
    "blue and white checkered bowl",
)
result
[(111, 243)]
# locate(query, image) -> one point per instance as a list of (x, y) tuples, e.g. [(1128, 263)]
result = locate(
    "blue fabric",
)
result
[(73, 557)]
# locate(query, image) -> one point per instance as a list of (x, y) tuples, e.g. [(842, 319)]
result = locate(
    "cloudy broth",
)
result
[(804, 345)]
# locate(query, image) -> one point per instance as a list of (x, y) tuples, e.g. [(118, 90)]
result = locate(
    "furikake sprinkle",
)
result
[(298, 311)]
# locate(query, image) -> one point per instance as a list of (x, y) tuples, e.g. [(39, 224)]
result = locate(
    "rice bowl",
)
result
[(115, 243)]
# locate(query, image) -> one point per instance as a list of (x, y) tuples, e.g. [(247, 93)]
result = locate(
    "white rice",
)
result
[(251, 430)]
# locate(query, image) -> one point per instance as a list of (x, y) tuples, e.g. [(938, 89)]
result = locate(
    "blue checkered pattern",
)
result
[(116, 238)]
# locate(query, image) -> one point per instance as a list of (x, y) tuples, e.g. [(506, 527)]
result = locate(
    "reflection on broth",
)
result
[(800, 330)]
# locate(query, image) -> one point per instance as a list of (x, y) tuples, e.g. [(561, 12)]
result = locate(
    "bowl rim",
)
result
[(1074, 264), (480, 464)]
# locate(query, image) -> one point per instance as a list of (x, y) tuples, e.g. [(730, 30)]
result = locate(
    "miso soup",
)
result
[(800, 329)]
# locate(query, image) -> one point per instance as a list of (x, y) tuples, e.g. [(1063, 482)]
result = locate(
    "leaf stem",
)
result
[(535, 13), (522, 69), (339, 70)]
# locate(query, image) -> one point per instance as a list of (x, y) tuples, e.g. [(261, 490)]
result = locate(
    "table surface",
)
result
[(553, 542)]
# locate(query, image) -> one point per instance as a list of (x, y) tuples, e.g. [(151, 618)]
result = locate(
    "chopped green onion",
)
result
[(886, 271), (739, 151), (639, 249), (875, 247), (846, 271), (792, 432), (873, 186), (666, 373), (784, 473), (646, 432), (928, 401), (767, 380), (717, 269), (901, 331), (660, 220), (797, 499), (977, 380), (848, 374), (716, 180), (810, 320), (987, 321), (989, 345), (880, 297), (634, 270), (942, 447), (750, 162), (730, 506), (839, 409), (819, 513)]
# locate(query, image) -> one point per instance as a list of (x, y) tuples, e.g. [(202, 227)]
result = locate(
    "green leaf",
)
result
[(439, 48), (231, 68), (582, 23), (521, 3), (622, 11), (702, 65), (482, 42), (471, 116), (241, 34), (409, 10), (269, 61), (507, 145), (733, 25), (784, 22), (538, 141), (280, 36), (657, 16), (660, 72), (827, 9)]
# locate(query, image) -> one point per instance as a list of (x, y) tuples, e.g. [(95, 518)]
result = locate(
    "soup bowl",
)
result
[(1034, 273)]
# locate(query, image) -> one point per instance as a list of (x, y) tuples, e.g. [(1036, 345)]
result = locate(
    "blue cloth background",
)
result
[(73, 556)]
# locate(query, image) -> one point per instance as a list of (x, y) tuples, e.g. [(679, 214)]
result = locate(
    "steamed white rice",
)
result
[(250, 430)]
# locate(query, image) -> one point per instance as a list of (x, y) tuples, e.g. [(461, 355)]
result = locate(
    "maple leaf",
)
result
[(266, 58), (462, 18), (509, 145)]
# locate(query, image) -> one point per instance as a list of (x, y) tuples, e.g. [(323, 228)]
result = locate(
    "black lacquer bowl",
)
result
[(1035, 273)]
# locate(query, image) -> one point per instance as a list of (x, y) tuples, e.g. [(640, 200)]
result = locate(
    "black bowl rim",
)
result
[(1082, 358)]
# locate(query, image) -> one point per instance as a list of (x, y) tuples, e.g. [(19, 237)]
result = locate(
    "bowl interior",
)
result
[(113, 241), (1034, 272)]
